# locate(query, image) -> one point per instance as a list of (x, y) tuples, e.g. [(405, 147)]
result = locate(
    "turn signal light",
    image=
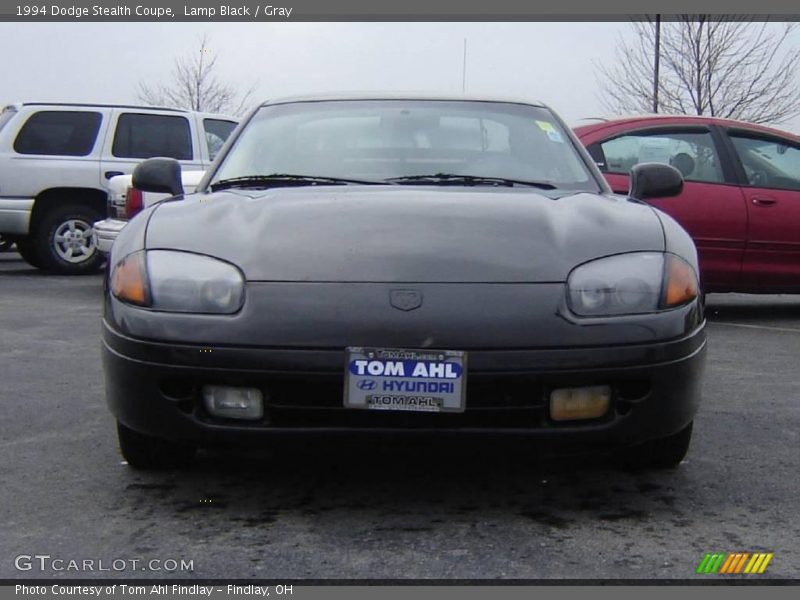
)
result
[(128, 280), (574, 404), (234, 402), (681, 284)]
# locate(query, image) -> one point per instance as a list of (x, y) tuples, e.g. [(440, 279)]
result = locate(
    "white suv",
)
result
[(56, 160)]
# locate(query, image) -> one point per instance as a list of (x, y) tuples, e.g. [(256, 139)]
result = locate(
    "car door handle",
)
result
[(110, 174), (764, 201)]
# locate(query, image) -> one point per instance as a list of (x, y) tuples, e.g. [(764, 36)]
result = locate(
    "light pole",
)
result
[(464, 69), (656, 60)]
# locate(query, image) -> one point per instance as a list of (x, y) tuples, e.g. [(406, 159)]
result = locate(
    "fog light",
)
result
[(572, 404), (233, 402)]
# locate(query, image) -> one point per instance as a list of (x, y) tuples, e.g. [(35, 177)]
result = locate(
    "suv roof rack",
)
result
[(100, 105)]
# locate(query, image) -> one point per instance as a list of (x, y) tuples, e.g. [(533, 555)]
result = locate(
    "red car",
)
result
[(741, 198)]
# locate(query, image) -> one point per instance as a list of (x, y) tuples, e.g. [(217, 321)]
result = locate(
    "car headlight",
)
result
[(627, 284), (178, 282)]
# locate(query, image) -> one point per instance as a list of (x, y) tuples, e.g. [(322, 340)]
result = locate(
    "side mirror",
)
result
[(655, 180), (159, 175)]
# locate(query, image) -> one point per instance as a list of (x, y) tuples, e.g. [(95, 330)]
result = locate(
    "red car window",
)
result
[(768, 163), (692, 153)]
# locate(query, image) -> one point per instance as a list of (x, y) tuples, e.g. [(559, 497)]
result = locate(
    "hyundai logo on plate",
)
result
[(367, 384), (405, 299)]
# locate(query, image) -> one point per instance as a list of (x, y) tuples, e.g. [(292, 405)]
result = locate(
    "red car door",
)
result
[(712, 206), (770, 170)]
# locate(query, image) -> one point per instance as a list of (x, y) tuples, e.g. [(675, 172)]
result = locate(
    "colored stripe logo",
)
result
[(734, 563)]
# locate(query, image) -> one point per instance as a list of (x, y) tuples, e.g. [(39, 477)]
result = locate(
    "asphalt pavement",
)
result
[(443, 510)]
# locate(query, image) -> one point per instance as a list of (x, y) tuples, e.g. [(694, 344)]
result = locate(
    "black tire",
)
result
[(149, 453), (5, 244), (664, 453), (75, 222), (27, 250)]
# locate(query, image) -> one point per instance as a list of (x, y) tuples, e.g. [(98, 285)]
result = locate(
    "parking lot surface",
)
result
[(449, 509)]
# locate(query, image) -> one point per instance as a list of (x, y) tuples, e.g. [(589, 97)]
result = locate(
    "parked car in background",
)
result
[(126, 201), (387, 263), (56, 161), (741, 198)]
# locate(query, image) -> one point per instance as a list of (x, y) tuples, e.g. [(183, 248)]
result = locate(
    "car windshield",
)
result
[(405, 142)]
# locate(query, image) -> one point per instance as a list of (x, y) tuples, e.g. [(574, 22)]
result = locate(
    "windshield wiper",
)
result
[(286, 179), (454, 179)]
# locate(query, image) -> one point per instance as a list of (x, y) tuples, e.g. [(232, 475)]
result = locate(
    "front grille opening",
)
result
[(186, 406), (360, 418), (177, 389), (634, 390), (623, 407)]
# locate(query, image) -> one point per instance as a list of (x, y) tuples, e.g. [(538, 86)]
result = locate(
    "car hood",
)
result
[(404, 234)]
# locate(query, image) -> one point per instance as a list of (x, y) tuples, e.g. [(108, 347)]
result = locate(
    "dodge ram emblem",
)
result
[(405, 299)]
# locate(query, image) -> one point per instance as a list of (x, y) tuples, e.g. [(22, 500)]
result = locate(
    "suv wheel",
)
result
[(64, 240), (5, 244), (27, 250), (145, 452)]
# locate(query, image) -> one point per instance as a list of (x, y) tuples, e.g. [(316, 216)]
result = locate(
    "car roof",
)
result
[(655, 120), (336, 96)]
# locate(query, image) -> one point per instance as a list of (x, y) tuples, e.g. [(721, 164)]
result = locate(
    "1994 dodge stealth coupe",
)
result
[(394, 264)]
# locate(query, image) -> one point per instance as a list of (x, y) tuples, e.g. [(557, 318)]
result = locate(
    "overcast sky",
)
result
[(102, 62)]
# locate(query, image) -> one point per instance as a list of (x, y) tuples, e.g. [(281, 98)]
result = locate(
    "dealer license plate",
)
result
[(410, 380)]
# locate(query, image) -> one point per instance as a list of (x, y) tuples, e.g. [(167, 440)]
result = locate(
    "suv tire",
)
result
[(27, 250), (63, 240)]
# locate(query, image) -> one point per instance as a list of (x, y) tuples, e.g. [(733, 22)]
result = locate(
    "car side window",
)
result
[(692, 153), (217, 132), (768, 162), (59, 133), (146, 136)]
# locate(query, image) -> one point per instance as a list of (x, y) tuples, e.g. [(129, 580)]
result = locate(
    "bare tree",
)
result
[(732, 67), (194, 85)]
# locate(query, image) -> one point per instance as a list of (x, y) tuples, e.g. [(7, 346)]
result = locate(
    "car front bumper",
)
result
[(105, 232), (154, 388)]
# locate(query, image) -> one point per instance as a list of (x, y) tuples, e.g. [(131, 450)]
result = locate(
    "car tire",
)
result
[(5, 244), (663, 453), (27, 250), (64, 241), (149, 453)]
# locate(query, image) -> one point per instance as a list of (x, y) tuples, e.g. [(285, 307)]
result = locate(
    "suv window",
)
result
[(769, 162), (59, 132), (692, 153), (146, 136), (217, 131)]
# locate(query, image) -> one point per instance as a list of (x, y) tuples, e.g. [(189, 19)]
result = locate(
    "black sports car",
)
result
[(395, 264)]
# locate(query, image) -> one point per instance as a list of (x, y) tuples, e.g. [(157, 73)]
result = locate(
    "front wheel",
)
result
[(149, 453), (64, 240)]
